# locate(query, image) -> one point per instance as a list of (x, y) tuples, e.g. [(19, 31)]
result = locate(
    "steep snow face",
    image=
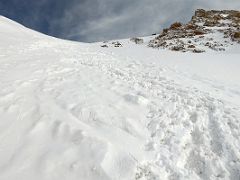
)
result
[(71, 111), (13, 33)]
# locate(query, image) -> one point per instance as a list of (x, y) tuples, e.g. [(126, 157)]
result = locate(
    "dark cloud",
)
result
[(97, 20)]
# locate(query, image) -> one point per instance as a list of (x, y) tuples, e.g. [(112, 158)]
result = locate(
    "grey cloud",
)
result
[(97, 20)]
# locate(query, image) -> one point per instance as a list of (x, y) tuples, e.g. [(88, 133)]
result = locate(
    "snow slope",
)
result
[(78, 111)]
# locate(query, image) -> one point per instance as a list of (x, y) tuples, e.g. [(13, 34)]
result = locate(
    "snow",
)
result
[(73, 110)]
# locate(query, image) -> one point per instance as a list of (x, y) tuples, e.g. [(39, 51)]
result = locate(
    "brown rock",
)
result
[(200, 13), (198, 32), (210, 23), (191, 26), (236, 35), (176, 25)]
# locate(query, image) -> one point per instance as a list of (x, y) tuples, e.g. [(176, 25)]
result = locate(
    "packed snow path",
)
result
[(74, 111)]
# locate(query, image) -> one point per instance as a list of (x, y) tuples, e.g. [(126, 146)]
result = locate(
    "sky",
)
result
[(99, 20)]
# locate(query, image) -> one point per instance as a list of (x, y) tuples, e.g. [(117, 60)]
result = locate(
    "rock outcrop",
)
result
[(207, 29)]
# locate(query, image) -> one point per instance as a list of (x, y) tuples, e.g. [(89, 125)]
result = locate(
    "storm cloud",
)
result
[(98, 20)]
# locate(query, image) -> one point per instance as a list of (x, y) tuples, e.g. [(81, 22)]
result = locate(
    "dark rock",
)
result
[(191, 46), (117, 44), (137, 40), (198, 51), (104, 46)]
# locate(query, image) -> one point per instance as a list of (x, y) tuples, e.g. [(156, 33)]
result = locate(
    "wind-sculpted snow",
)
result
[(77, 111)]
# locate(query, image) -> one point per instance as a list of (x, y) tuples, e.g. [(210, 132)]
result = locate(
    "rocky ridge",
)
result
[(213, 29)]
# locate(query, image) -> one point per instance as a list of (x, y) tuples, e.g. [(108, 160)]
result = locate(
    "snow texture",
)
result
[(71, 111)]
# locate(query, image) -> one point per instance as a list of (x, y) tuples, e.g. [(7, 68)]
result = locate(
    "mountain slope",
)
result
[(78, 111)]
